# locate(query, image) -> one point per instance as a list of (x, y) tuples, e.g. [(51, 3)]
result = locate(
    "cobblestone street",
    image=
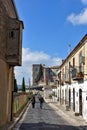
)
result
[(48, 118)]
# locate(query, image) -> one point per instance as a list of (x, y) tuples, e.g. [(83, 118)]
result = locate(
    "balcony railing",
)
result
[(77, 73)]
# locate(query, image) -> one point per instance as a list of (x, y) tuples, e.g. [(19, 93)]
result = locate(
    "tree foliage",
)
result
[(23, 85), (15, 85), (40, 74)]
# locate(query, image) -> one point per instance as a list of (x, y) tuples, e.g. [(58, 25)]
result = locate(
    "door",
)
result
[(80, 101), (73, 99), (70, 98)]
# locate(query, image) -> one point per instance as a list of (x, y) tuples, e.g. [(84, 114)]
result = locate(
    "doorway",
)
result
[(73, 99), (80, 101), (70, 98)]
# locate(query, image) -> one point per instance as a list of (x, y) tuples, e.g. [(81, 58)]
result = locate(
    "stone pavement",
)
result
[(68, 115), (60, 110), (47, 118)]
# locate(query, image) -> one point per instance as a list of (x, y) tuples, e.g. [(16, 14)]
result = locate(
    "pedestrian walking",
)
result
[(41, 99), (33, 101)]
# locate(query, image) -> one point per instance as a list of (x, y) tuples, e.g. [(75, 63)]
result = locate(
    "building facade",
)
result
[(47, 79), (10, 56), (72, 80), (43, 74)]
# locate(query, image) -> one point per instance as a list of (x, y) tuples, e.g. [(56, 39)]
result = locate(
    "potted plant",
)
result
[(80, 74)]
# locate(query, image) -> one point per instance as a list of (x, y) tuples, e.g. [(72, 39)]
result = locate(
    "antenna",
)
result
[(69, 48)]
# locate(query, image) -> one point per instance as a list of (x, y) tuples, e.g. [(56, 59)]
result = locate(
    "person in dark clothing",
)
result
[(41, 102), (33, 102)]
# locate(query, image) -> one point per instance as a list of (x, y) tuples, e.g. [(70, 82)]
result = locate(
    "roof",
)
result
[(80, 44), (54, 67)]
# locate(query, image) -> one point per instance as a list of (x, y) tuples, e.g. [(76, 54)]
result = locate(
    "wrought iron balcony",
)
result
[(77, 73)]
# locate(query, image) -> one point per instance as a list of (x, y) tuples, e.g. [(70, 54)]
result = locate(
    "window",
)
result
[(11, 34)]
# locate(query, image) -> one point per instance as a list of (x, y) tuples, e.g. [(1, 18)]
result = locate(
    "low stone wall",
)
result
[(19, 100)]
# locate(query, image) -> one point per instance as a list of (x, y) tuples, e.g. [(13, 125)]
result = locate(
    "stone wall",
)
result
[(19, 99), (7, 13), (6, 85)]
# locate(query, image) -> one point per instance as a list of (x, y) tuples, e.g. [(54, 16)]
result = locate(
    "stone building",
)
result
[(72, 80), (10, 56), (47, 80), (37, 69)]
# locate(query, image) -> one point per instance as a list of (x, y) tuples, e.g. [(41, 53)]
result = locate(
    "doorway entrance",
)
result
[(80, 101), (70, 98), (73, 99)]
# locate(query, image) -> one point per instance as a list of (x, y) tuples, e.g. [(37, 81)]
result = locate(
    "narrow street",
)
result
[(43, 119)]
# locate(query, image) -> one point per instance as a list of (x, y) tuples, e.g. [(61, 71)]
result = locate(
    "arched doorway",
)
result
[(80, 101)]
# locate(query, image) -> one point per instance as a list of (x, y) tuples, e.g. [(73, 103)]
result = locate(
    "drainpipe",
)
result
[(11, 105)]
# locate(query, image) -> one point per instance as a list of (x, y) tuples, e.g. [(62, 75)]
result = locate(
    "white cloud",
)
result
[(33, 56), (84, 1), (29, 57), (78, 19)]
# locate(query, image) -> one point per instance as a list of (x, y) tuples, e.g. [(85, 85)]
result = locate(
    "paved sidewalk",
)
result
[(69, 115)]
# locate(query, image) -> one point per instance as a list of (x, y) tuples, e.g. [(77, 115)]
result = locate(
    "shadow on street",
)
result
[(45, 126)]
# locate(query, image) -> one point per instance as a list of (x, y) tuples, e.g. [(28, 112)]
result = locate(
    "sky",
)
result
[(52, 28)]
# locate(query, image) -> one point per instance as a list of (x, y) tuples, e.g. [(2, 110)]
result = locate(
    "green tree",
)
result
[(23, 85), (15, 85), (40, 74)]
